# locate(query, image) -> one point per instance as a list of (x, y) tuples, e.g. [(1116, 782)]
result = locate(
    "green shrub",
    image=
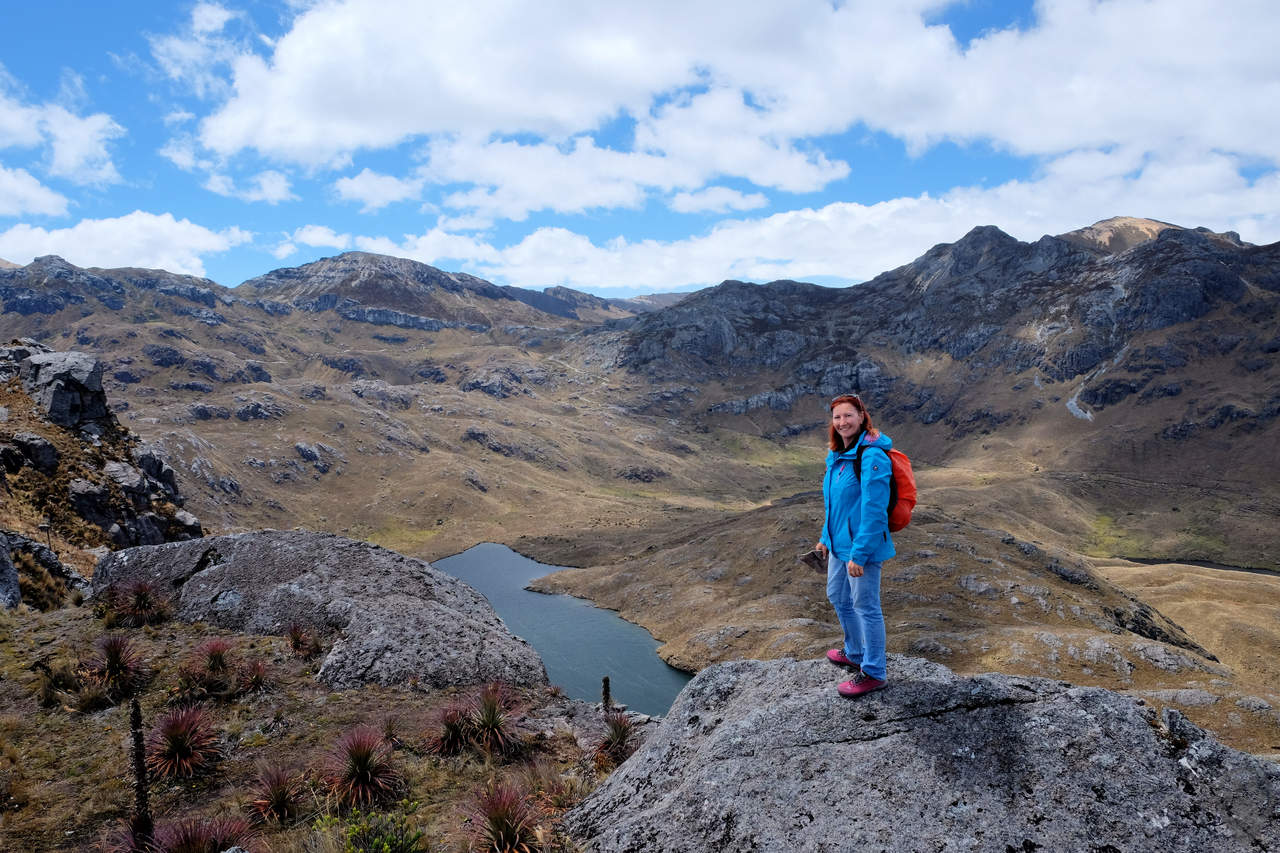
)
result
[(384, 833)]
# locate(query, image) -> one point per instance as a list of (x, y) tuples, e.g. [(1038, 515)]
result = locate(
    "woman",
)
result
[(855, 540)]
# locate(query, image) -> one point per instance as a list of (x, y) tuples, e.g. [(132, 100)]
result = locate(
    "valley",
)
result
[(1066, 403)]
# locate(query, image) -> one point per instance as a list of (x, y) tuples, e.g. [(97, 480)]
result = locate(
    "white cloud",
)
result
[(184, 153), (199, 55), (79, 145), (1088, 74), (19, 123), (270, 186), (210, 17), (510, 180), (76, 146), (138, 239), (284, 250), (855, 242), (376, 191), (321, 236), (717, 200), (21, 194), (756, 101)]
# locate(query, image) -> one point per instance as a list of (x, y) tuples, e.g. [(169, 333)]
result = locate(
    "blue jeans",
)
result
[(857, 604)]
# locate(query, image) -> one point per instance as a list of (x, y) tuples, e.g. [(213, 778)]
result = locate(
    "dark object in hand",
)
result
[(814, 560)]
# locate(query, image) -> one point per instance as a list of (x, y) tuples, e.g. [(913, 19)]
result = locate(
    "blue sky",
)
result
[(623, 150)]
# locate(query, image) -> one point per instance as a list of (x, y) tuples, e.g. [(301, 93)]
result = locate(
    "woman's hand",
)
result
[(855, 570), (821, 549)]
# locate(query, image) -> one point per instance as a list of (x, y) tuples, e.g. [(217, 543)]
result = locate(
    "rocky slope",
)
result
[(1154, 367), (766, 756), (75, 483)]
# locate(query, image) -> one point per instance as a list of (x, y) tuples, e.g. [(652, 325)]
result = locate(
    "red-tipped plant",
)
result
[(361, 770), (116, 666), (277, 795), (488, 722), (203, 835), (136, 604), (214, 655), (253, 677), (504, 821), (454, 733), (182, 744), (617, 743)]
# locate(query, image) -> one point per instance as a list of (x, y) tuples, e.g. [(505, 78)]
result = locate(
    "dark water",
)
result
[(579, 642)]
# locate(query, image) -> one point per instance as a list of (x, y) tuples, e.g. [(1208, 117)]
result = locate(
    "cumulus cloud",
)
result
[(1088, 74), (76, 147), (139, 239), (375, 191), (717, 200), (21, 194), (198, 57), (757, 101), (270, 186), (853, 242), (321, 236)]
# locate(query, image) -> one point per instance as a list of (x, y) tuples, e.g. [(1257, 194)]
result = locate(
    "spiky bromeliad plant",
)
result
[(116, 666), (503, 821), (207, 674), (183, 744), (203, 835), (488, 724), (454, 733), (617, 744), (360, 769), (277, 795), (135, 604)]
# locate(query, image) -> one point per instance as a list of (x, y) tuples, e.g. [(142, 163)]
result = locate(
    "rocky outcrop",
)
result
[(766, 756), (397, 620), (67, 386)]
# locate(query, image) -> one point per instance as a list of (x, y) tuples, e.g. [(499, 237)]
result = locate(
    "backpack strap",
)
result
[(893, 481)]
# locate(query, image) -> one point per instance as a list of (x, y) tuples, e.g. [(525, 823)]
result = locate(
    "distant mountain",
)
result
[(1157, 364), (356, 283), (8, 265), (1131, 349), (1117, 234)]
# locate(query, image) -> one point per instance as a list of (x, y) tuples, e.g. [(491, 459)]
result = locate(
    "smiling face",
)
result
[(846, 420)]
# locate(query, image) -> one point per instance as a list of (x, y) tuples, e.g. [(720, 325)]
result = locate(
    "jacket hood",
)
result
[(879, 440)]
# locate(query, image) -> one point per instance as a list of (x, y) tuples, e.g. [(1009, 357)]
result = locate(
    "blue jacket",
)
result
[(856, 526)]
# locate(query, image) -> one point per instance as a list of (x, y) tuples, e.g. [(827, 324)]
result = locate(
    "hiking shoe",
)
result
[(837, 657), (860, 684)]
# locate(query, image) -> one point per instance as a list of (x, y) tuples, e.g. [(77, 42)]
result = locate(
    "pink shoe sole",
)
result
[(858, 687)]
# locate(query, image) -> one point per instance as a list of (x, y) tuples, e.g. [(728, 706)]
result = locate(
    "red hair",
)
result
[(834, 439)]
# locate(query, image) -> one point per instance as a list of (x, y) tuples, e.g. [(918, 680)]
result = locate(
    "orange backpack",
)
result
[(902, 486)]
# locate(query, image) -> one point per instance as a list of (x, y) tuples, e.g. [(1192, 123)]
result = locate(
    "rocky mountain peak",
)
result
[(371, 279), (1117, 234)]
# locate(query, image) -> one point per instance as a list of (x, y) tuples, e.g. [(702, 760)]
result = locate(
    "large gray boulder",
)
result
[(398, 620), (766, 756), (67, 386)]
